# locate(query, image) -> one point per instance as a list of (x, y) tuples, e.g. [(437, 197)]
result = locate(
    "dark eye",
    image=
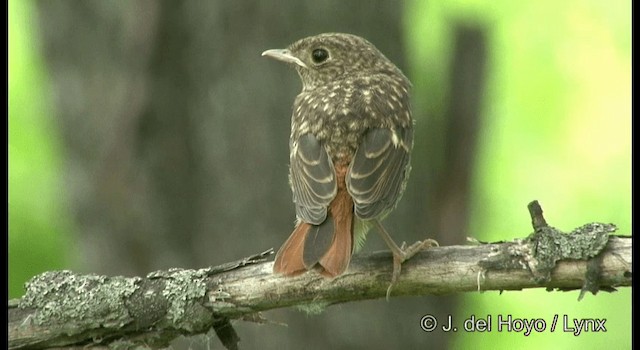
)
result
[(319, 55)]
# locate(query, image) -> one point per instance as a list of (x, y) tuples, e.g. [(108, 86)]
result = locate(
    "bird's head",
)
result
[(333, 57)]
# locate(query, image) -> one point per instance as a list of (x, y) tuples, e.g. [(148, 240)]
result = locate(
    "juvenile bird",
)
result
[(350, 145)]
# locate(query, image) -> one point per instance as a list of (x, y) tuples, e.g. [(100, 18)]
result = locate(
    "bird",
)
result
[(350, 148)]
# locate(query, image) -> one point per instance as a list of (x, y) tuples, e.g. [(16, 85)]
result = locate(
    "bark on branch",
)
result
[(63, 309)]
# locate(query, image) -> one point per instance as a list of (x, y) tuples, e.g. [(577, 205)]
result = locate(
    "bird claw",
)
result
[(405, 254), (417, 247)]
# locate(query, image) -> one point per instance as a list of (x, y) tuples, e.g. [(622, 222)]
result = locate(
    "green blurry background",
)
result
[(40, 228), (557, 128), (558, 112)]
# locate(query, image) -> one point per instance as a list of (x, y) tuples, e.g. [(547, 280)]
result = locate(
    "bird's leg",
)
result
[(401, 254)]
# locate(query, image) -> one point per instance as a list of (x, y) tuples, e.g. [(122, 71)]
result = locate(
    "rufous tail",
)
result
[(326, 248)]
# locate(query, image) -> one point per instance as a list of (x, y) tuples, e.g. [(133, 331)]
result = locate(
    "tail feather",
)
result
[(326, 248), (318, 242), (289, 259), (336, 260)]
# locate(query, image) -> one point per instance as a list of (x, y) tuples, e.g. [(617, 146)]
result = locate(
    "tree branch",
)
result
[(61, 308)]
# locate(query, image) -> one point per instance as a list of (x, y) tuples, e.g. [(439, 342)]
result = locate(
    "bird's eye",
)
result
[(319, 55)]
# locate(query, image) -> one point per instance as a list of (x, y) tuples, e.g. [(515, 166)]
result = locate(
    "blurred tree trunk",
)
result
[(450, 140), (447, 145), (176, 135)]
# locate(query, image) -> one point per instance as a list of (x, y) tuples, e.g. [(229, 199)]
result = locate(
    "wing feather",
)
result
[(378, 170), (312, 178)]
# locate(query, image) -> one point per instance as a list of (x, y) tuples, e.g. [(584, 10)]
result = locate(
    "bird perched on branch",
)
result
[(350, 145)]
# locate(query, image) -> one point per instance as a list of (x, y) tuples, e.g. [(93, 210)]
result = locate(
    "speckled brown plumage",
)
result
[(350, 145)]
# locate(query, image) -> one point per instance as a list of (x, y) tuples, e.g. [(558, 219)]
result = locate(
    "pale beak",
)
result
[(284, 56)]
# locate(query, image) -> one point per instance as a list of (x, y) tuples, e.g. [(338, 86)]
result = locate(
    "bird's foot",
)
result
[(404, 253)]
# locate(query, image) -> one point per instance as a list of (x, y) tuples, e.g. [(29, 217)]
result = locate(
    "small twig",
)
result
[(537, 219)]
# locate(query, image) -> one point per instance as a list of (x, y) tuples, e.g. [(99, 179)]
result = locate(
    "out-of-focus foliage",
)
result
[(39, 235), (557, 128)]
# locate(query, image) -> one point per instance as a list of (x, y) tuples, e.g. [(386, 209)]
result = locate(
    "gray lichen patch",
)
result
[(540, 252), (550, 245), (185, 290), (70, 300)]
